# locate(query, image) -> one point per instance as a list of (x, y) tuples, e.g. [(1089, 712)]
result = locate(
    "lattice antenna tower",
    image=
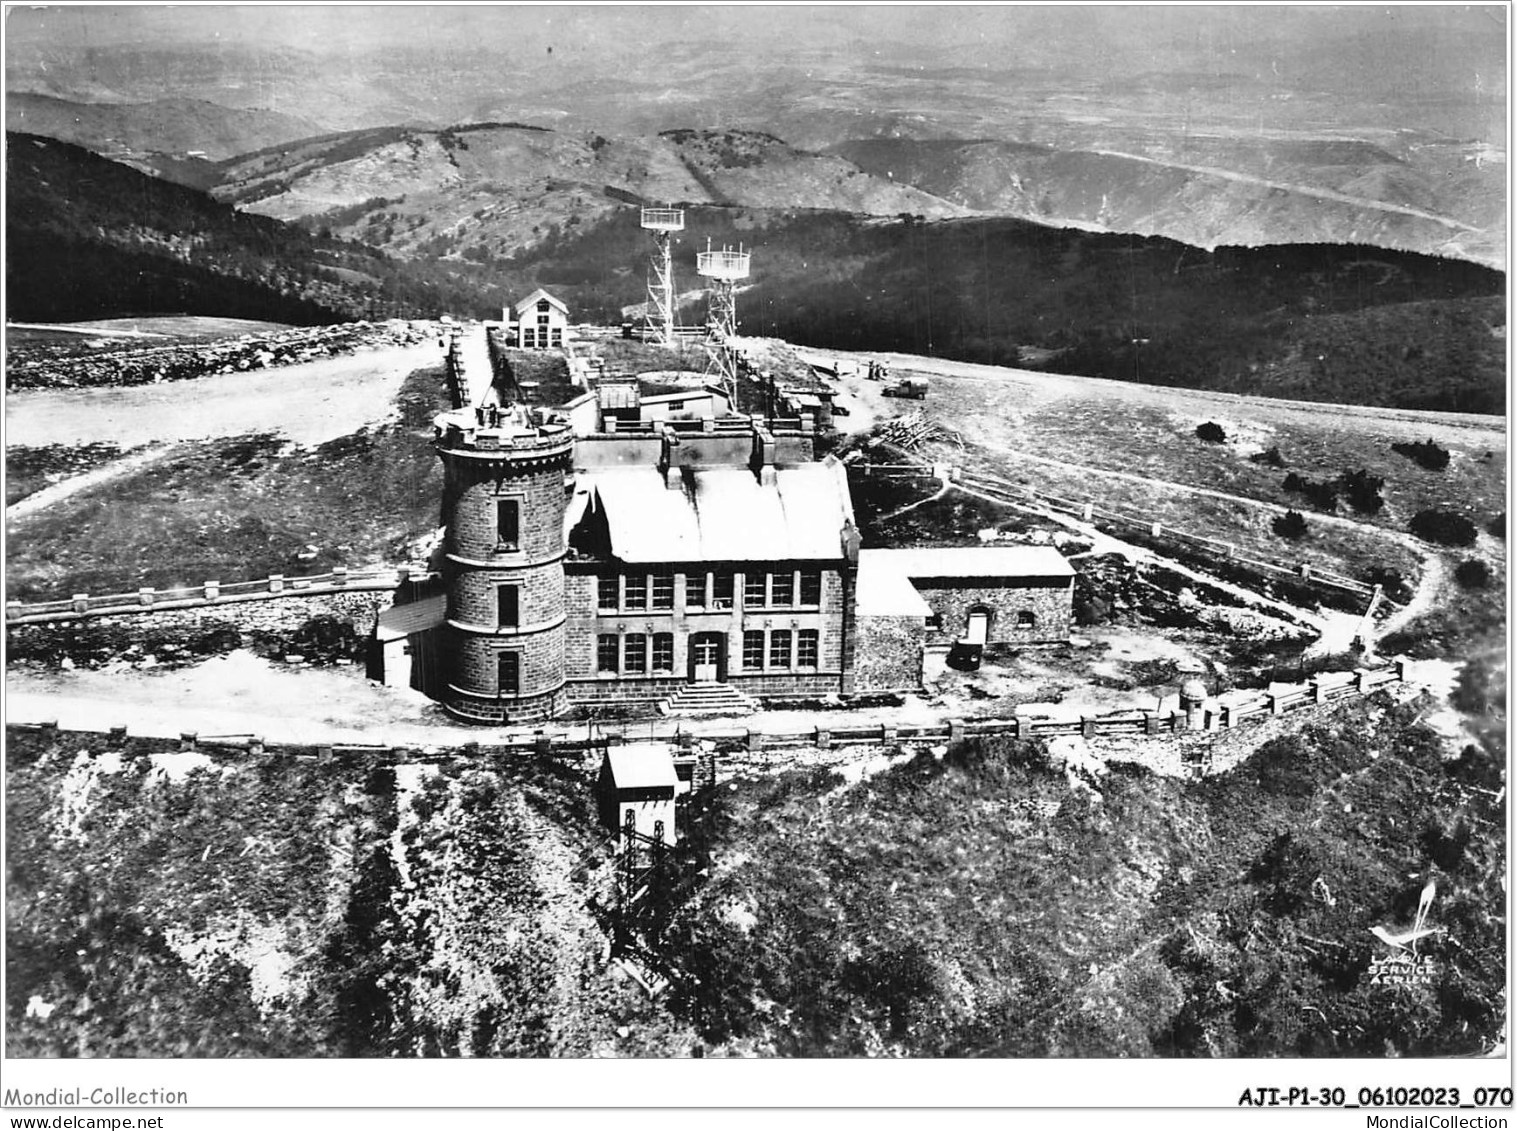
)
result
[(659, 323), (725, 269)]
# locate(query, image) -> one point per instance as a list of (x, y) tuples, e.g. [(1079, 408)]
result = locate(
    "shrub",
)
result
[(1473, 573), (1290, 525), (1211, 432), (1392, 581), (1426, 454), (1443, 528), (1497, 526), (1323, 495), (1270, 458), (1362, 490)]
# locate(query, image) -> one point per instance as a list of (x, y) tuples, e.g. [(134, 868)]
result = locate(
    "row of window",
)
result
[(631, 654), (806, 645), (638, 653), (774, 589)]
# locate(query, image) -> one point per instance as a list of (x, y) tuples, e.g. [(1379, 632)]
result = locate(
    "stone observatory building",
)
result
[(695, 564)]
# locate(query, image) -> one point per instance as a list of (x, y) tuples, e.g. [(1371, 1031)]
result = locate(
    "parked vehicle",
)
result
[(912, 388)]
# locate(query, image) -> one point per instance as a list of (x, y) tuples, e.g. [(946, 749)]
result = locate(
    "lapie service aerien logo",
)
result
[(1404, 966)]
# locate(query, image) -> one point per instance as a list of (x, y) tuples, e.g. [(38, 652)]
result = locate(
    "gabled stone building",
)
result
[(630, 565)]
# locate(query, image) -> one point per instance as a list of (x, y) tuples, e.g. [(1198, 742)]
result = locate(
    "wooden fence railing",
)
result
[(1221, 713), (1214, 548)]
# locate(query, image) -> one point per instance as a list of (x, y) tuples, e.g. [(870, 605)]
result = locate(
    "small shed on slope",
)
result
[(640, 779)]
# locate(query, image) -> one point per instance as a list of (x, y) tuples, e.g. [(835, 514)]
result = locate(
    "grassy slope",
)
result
[(242, 508), (930, 912)]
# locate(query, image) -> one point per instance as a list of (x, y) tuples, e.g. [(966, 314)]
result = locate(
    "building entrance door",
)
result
[(707, 656), (978, 627)]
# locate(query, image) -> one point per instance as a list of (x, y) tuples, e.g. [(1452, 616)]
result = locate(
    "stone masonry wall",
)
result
[(889, 656), (1052, 610), (271, 615)]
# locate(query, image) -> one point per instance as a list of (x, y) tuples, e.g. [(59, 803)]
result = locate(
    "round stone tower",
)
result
[(503, 506)]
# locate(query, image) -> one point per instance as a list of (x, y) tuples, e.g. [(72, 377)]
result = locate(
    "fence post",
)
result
[(276, 582), (339, 575), (1088, 511), (255, 744), (1403, 665), (823, 738), (1304, 571), (13, 610), (1275, 706), (212, 590), (1225, 716), (81, 603), (542, 743), (1087, 726), (1317, 690), (887, 732), (187, 740), (755, 740), (955, 731), (144, 596), (1150, 722), (1360, 678), (118, 737), (1156, 531)]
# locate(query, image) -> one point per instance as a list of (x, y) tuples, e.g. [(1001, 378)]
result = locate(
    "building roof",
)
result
[(883, 590), (973, 561), (400, 621), (724, 514), (531, 300), (642, 766), (697, 393)]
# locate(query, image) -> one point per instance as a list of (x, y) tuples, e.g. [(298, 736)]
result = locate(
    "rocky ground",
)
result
[(36, 365)]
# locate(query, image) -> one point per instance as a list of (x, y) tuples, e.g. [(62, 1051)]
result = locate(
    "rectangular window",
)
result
[(508, 523), (663, 651), (505, 606), (779, 648), (635, 591), (695, 590), (606, 590), (782, 589), (508, 672), (721, 591), (755, 587), (663, 591), (807, 648), (634, 653), (811, 587), (753, 650), (607, 653)]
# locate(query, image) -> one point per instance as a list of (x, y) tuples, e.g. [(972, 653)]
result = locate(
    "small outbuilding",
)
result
[(541, 321), (640, 779)]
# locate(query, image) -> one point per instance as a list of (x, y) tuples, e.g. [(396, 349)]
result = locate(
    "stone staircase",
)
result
[(708, 699)]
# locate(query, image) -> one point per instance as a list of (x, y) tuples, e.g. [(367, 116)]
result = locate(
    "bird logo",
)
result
[(1408, 939)]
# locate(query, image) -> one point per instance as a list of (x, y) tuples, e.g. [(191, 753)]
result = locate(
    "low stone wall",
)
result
[(196, 631)]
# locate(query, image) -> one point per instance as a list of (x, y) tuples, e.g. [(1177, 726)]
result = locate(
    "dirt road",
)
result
[(310, 403)]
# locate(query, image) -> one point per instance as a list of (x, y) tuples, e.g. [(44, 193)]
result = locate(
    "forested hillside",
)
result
[(90, 238), (1320, 322)]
